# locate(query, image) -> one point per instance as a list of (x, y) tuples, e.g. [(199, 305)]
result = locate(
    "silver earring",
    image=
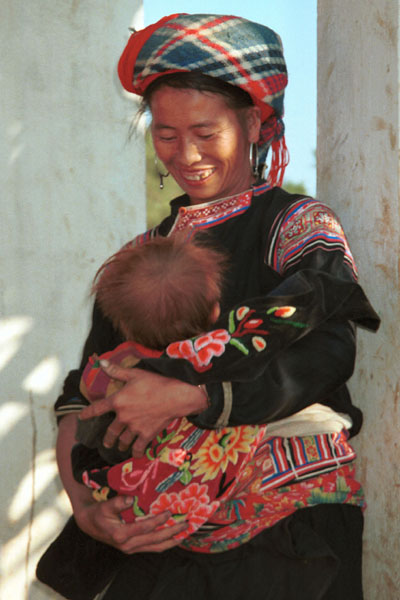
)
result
[(254, 159), (161, 175)]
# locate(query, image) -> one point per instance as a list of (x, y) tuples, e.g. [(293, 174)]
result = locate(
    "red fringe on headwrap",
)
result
[(279, 162)]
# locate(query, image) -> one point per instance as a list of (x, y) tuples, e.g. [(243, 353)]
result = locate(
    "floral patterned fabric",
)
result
[(186, 470), (247, 511)]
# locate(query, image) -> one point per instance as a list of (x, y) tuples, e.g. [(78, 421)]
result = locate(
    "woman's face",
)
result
[(203, 143)]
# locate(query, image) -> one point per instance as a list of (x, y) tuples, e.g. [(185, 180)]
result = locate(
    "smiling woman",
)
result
[(205, 147), (283, 345)]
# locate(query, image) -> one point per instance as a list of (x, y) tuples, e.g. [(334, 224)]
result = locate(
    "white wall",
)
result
[(358, 166), (72, 191)]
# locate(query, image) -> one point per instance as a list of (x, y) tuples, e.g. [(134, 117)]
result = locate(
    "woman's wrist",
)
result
[(187, 399), (203, 389)]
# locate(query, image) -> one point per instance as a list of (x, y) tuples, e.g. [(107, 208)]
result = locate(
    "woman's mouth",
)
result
[(198, 175)]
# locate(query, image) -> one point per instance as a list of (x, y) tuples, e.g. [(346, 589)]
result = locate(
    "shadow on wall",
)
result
[(73, 194), (35, 507)]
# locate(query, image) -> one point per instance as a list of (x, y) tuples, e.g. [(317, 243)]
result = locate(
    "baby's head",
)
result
[(165, 290)]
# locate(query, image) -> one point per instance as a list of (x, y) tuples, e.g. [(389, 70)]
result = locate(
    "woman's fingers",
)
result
[(140, 445), (125, 439), (157, 541), (98, 408), (143, 535), (114, 431), (116, 372)]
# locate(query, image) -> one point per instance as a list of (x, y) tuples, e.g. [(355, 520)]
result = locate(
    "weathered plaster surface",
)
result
[(358, 174), (72, 191)]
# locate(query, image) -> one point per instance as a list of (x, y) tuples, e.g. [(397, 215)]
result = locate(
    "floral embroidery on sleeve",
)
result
[(201, 349), (247, 328)]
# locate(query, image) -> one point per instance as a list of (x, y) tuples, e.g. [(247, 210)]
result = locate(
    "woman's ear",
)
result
[(253, 123)]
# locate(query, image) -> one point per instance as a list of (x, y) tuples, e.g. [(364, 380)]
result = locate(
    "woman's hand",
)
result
[(101, 520), (146, 404)]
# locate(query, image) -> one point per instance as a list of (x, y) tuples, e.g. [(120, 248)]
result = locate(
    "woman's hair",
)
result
[(234, 96), (161, 291)]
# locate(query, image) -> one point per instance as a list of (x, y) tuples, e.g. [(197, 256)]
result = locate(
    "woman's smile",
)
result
[(205, 147), (198, 176)]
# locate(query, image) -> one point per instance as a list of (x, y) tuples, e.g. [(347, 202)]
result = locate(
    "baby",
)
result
[(165, 290)]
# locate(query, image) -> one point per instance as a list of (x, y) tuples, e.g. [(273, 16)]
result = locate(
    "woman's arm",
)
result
[(284, 381), (146, 404), (262, 386)]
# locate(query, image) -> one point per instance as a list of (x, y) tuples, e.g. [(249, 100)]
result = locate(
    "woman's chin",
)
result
[(200, 191), (203, 187)]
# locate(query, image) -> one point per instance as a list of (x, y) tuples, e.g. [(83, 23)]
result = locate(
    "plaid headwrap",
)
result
[(239, 52)]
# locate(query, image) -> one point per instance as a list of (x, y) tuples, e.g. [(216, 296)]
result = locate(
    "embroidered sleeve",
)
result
[(306, 227), (248, 332), (252, 334)]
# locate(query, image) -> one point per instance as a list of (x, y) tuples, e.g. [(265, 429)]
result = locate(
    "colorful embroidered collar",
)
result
[(212, 213)]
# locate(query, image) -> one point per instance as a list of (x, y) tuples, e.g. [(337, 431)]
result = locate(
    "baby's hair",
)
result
[(161, 291)]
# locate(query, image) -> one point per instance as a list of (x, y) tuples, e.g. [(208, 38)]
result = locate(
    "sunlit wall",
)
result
[(72, 191), (358, 174)]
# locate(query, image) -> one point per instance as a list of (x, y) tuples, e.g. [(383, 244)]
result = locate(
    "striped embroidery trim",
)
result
[(297, 458), (306, 226), (73, 406), (260, 189), (142, 238), (211, 213)]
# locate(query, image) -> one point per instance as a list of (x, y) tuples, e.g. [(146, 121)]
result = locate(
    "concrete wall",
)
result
[(358, 167), (72, 191)]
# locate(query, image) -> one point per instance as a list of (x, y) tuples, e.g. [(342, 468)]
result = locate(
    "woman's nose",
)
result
[(189, 152)]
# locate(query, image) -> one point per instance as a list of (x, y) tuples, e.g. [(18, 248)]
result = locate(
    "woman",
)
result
[(214, 86)]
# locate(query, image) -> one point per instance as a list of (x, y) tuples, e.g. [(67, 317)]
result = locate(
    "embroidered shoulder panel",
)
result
[(306, 226)]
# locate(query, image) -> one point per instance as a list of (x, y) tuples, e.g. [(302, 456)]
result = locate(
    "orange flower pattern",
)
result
[(221, 448)]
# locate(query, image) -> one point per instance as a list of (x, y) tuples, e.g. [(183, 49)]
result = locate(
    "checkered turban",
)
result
[(237, 51)]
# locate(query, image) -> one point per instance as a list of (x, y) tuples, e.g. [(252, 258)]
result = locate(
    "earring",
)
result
[(254, 159), (161, 175)]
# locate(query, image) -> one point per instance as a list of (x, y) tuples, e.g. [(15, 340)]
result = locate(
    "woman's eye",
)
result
[(165, 138), (206, 136)]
